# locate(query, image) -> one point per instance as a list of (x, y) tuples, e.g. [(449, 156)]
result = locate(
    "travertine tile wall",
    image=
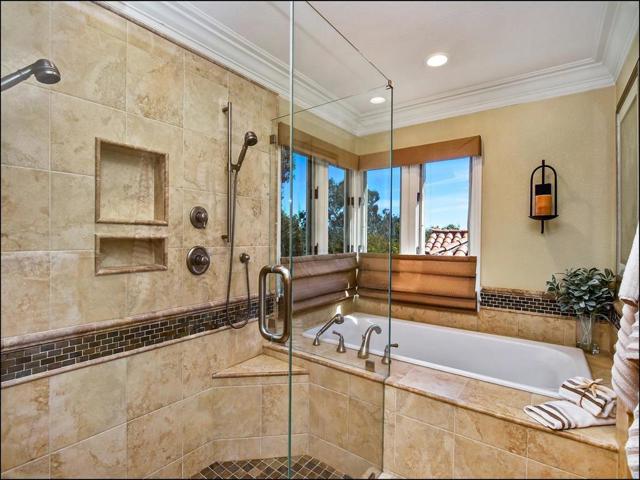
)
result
[(458, 443), (154, 413), (345, 418), (126, 84), (138, 415)]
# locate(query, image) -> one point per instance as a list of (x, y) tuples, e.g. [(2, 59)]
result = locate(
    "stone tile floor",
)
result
[(302, 466)]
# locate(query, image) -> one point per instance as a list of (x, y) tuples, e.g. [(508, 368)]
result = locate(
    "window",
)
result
[(383, 210), (313, 212), (445, 207), (295, 204), (336, 209)]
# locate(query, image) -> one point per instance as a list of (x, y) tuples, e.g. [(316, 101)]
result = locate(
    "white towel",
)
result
[(562, 414), (625, 376), (589, 394), (633, 343), (629, 288), (625, 372), (632, 449)]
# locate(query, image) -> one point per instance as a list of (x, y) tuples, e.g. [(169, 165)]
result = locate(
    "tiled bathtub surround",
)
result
[(440, 425), (31, 360), (559, 330)]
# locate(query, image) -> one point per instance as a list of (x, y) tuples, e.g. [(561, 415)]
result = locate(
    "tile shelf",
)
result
[(117, 254), (131, 184)]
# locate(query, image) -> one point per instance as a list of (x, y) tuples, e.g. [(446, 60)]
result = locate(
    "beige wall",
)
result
[(575, 134), (125, 84), (627, 67)]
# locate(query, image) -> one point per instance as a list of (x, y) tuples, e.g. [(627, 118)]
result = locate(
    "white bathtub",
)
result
[(523, 364)]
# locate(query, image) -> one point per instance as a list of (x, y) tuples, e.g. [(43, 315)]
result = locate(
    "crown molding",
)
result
[(185, 24), (620, 26), (553, 82)]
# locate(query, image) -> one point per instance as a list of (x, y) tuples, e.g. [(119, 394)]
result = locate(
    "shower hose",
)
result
[(244, 258)]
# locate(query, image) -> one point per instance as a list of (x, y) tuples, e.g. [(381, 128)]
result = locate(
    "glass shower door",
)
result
[(338, 101)]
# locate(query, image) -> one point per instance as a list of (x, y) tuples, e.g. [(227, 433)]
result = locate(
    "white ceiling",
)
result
[(500, 53)]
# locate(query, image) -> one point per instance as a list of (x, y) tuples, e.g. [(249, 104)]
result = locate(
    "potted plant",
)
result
[(586, 292)]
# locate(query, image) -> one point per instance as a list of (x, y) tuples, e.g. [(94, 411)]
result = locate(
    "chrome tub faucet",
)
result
[(366, 338)]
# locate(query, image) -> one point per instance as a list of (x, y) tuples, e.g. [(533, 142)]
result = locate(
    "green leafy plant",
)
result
[(584, 291)]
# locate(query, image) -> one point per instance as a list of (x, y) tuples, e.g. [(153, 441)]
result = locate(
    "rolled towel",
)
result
[(628, 292), (632, 449), (589, 394), (562, 415), (625, 372), (633, 342)]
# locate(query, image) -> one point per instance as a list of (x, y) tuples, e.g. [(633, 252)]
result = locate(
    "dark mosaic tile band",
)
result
[(302, 466), (50, 356), (522, 303)]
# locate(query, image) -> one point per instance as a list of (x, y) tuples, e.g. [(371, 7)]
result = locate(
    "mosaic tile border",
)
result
[(61, 353), (521, 302), (302, 466)]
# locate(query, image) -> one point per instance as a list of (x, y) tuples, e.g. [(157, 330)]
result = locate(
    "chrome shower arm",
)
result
[(15, 78)]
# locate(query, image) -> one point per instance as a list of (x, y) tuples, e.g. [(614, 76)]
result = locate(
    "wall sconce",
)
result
[(543, 205)]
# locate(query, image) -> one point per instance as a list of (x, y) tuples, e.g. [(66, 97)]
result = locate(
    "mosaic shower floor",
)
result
[(302, 466)]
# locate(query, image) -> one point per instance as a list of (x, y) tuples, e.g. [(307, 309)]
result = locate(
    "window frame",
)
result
[(412, 209)]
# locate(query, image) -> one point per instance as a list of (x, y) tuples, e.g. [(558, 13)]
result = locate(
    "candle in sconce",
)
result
[(543, 200)]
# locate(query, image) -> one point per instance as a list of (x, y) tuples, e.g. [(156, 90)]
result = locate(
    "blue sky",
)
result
[(379, 180), (299, 185), (446, 193)]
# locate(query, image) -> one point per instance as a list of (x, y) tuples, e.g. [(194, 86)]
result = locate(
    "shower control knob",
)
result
[(199, 217), (198, 260)]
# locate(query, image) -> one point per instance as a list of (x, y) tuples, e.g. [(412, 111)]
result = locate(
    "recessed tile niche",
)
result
[(122, 254), (131, 184)]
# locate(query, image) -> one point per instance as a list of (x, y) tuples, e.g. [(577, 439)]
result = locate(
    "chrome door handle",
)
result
[(262, 311)]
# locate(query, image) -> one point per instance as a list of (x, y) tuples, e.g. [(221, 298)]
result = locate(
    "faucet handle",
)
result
[(341, 348), (386, 358)]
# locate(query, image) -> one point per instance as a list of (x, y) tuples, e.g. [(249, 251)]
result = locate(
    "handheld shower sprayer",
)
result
[(44, 70), (250, 139)]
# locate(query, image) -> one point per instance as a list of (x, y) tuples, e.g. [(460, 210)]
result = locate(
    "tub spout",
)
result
[(366, 338), (338, 319)]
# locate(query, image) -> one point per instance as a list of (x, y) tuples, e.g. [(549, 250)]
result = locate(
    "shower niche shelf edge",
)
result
[(131, 184), (129, 254)]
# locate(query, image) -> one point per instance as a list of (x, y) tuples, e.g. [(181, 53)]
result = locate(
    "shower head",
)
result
[(250, 139), (44, 70)]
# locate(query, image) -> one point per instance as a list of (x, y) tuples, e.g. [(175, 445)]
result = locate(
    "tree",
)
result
[(379, 225), (336, 216), (296, 226)]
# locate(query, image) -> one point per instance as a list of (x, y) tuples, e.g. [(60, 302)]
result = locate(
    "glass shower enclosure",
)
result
[(326, 211)]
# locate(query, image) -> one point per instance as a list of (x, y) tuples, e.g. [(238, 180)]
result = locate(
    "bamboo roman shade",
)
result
[(430, 152), (308, 144), (419, 279), (322, 279)]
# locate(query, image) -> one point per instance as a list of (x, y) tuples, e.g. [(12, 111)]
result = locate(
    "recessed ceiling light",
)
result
[(377, 100), (437, 60)]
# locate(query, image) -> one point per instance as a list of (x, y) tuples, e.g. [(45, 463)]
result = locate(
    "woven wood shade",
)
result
[(419, 279), (430, 152)]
